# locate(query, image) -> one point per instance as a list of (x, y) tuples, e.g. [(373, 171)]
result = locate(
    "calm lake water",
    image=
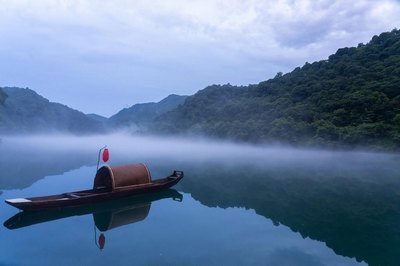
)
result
[(237, 205)]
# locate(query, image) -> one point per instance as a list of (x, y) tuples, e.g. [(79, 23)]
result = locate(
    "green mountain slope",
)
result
[(3, 96), (142, 114), (350, 100), (24, 111)]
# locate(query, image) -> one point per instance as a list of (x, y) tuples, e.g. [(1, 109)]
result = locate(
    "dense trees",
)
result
[(3, 96), (350, 100)]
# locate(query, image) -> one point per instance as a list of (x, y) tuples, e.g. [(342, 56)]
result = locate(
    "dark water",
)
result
[(237, 205)]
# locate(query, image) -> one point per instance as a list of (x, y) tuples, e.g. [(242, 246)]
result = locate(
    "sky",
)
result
[(102, 56)]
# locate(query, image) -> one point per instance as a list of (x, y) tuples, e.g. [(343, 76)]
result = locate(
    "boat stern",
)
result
[(18, 202)]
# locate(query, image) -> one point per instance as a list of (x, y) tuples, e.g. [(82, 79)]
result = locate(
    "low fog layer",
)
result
[(27, 159), (123, 147)]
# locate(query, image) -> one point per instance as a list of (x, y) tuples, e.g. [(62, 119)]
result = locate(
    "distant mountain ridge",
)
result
[(143, 114), (24, 111), (98, 118)]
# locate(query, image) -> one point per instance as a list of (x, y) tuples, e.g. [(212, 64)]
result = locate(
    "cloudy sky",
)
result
[(102, 56)]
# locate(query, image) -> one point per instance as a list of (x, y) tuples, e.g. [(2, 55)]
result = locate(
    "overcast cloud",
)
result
[(102, 56)]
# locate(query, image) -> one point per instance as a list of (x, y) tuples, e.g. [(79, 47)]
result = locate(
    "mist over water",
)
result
[(186, 149), (166, 152), (26, 159), (349, 201)]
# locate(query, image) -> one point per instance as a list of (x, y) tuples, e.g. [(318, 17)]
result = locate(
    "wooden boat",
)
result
[(106, 215), (109, 183)]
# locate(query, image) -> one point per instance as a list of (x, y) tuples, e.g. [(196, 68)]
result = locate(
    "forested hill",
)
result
[(352, 99), (24, 111)]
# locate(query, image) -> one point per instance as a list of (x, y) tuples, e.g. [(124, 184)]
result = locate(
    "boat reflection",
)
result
[(24, 166), (106, 216)]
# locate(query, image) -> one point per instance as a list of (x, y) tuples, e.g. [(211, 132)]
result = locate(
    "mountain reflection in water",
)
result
[(22, 166), (355, 210)]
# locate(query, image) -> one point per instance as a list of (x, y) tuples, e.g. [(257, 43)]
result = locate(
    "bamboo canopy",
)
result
[(116, 177)]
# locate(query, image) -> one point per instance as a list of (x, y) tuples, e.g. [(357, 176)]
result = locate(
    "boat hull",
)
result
[(77, 198)]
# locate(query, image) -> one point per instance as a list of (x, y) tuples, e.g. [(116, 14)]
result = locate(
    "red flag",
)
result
[(106, 155)]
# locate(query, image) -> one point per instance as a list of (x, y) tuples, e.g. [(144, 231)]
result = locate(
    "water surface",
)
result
[(237, 205)]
